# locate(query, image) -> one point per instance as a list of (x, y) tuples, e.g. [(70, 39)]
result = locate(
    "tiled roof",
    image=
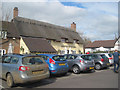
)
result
[(38, 45), (101, 43)]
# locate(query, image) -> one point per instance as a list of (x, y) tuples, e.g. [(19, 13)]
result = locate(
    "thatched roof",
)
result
[(33, 28)]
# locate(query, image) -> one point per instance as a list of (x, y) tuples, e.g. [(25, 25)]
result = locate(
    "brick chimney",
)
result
[(15, 12), (73, 26)]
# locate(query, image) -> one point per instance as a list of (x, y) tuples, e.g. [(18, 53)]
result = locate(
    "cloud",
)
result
[(101, 21), (60, 0), (95, 20)]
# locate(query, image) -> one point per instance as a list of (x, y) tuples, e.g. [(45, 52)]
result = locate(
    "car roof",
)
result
[(95, 54), (49, 55), (19, 55), (75, 54)]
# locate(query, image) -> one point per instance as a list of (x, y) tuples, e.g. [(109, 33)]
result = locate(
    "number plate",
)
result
[(38, 72), (91, 67), (62, 64)]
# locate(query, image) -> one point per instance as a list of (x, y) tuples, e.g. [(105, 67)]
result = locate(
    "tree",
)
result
[(6, 13), (85, 39)]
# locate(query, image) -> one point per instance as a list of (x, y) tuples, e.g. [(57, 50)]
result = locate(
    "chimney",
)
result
[(15, 12), (73, 26)]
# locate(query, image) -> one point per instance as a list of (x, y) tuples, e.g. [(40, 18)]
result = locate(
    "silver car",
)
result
[(23, 68), (101, 61), (109, 55), (78, 63)]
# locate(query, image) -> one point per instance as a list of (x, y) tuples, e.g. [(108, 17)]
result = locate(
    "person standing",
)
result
[(115, 57)]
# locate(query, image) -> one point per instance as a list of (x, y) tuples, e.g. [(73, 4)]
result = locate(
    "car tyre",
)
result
[(97, 66), (10, 81), (76, 69)]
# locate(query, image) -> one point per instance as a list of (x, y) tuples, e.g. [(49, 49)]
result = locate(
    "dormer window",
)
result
[(76, 41), (3, 34), (49, 41), (64, 40)]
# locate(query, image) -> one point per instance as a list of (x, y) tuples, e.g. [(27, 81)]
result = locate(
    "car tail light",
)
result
[(23, 68), (102, 60), (53, 71), (110, 58), (51, 61), (81, 61)]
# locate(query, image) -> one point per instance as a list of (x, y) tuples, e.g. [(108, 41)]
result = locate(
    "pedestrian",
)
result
[(115, 57)]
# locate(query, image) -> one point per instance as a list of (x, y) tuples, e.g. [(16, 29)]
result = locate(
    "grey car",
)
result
[(109, 55), (77, 63), (23, 68), (101, 61)]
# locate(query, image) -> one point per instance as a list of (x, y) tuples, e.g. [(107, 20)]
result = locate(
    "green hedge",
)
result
[(103, 52)]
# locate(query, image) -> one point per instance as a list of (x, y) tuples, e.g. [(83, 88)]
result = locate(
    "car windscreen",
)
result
[(32, 60), (58, 58), (103, 56), (87, 57)]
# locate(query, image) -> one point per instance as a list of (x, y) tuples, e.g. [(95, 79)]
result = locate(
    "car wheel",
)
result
[(76, 69), (10, 81), (97, 66)]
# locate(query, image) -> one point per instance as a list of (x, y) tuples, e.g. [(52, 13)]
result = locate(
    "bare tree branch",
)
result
[(6, 14)]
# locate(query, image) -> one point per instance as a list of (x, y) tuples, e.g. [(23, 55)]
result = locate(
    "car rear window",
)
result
[(95, 56), (110, 55), (103, 56), (32, 60), (58, 58), (87, 57)]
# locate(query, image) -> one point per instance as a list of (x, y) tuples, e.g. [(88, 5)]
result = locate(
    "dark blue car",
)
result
[(57, 63)]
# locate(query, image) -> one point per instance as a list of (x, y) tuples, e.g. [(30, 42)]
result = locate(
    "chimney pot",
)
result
[(15, 12)]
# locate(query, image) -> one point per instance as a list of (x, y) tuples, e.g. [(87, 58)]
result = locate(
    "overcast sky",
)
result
[(96, 20)]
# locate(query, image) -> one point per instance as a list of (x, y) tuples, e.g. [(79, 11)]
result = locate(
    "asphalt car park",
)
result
[(105, 78)]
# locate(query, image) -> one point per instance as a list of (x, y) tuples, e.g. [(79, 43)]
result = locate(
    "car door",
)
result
[(70, 60), (6, 65), (14, 66), (96, 58)]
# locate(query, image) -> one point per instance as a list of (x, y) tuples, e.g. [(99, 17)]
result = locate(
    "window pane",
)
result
[(7, 59), (59, 58), (32, 60), (87, 57), (103, 56), (14, 60), (45, 57), (72, 57)]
